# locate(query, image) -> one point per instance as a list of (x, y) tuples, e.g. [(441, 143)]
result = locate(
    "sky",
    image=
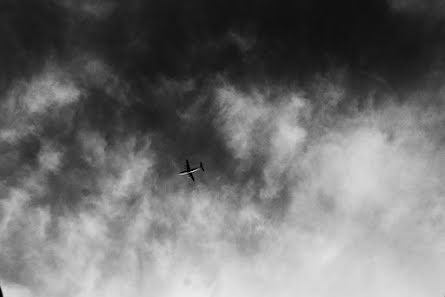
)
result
[(320, 125)]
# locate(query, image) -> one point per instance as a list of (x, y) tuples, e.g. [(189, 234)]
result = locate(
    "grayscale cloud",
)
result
[(320, 126)]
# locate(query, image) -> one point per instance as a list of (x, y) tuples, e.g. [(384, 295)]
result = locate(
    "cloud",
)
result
[(358, 194), (92, 8), (371, 176), (260, 131), (196, 242), (27, 103), (49, 89), (323, 150), (50, 158), (18, 291), (431, 7), (239, 117)]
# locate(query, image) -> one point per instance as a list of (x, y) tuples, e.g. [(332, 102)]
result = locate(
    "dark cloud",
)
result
[(319, 124), (265, 39), (154, 68), (31, 31), (287, 39)]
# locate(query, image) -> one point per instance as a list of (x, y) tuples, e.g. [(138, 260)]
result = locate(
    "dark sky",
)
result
[(147, 44), (319, 123)]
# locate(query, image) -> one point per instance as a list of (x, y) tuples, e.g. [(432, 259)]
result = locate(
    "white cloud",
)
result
[(254, 127), (16, 290), (240, 115), (50, 158), (365, 217), (29, 103), (52, 88), (364, 193)]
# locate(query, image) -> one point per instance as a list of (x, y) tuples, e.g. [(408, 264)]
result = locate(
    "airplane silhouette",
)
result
[(189, 170)]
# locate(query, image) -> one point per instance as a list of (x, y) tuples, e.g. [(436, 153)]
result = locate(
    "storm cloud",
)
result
[(320, 125)]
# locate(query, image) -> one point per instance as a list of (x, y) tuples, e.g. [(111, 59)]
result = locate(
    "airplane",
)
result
[(189, 170), (1, 294)]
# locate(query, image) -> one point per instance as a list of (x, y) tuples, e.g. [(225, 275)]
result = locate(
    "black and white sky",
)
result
[(320, 123)]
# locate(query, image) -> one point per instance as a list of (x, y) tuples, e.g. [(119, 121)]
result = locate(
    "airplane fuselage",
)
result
[(190, 171)]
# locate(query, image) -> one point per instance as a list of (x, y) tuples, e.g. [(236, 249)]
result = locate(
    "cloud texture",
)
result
[(321, 134)]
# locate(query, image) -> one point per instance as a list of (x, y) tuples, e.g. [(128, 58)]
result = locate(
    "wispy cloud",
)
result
[(364, 202), (320, 127)]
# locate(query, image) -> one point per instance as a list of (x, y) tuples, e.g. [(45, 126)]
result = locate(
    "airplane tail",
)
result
[(202, 167)]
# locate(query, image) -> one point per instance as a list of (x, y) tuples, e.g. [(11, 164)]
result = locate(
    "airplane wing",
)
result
[(191, 176), (187, 164)]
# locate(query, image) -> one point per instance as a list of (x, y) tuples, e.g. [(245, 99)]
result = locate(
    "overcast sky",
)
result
[(320, 124)]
